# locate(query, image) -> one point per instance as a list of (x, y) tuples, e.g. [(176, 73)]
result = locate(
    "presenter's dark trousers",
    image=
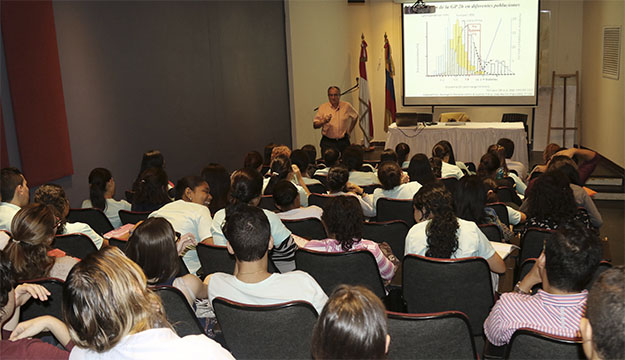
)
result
[(338, 144)]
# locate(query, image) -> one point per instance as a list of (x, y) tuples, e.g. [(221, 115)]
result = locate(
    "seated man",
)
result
[(571, 256), (249, 240), (604, 324), (14, 194), (286, 199)]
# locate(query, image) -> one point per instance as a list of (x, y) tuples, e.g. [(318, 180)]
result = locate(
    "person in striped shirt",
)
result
[(570, 257)]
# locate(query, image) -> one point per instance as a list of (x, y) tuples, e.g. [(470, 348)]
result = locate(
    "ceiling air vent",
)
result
[(611, 52)]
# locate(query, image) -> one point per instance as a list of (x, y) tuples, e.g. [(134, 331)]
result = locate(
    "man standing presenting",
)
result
[(336, 119)]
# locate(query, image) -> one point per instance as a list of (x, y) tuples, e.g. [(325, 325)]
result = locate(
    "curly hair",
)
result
[(7, 280), (389, 174), (53, 195), (434, 200), (337, 178), (551, 197), (343, 218)]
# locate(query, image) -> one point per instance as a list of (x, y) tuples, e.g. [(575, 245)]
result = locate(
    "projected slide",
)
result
[(477, 52)]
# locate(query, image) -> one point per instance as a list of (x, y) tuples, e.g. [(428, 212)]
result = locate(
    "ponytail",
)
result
[(98, 178), (280, 169)]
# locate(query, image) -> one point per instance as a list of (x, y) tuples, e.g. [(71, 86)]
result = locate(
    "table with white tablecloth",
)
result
[(469, 140)]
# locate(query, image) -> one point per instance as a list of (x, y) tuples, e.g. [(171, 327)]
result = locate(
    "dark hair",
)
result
[(98, 178), (567, 166), (152, 246), (606, 299), (434, 199), (508, 146), (389, 174), (470, 199), (311, 151), (246, 184), (53, 195), (489, 163), (550, 150), (402, 150), (334, 87), (151, 159), (490, 185), (551, 197), (7, 280), (248, 232), (284, 194), (330, 157), (572, 254), (218, 181), (420, 169), (267, 153), (337, 178), (10, 179), (353, 156), (343, 218), (280, 168), (151, 188), (388, 155), (500, 152), (191, 182), (253, 159), (443, 148), (437, 165), (301, 160), (352, 325)]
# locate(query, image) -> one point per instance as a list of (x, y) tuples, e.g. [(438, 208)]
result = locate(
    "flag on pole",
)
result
[(366, 118), (390, 107)]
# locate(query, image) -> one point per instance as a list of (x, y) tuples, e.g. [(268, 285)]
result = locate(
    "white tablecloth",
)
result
[(469, 141)]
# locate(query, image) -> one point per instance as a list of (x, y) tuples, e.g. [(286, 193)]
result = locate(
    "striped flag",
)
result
[(366, 118), (390, 107)]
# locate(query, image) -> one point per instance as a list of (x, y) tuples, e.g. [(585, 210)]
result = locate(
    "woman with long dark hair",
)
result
[(449, 168), (101, 192), (151, 191), (420, 170)]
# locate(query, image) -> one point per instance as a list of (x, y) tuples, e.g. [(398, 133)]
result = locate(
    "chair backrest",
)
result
[(121, 244), (442, 335), (370, 188), (266, 202), (514, 117), (322, 178), (317, 188), (501, 210), (53, 306), (93, 217), (318, 199), (76, 245), (332, 269), (309, 228), (433, 285), (532, 243), (132, 217), (395, 209), (256, 331), (491, 231), (534, 344), (508, 195), (393, 232), (178, 311), (450, 183), (216, 258)]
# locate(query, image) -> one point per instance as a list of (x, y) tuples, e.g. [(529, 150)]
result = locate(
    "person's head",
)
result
[(254, 160), (248, 232), (7, 293), (193, 189), (151, 188), (444, 151), (311, 151), (280, 169), (402, 150), (280, 150), (508, 146), (218, 181), (353, 156), (567, 166), (436, 164), (352, 325), (500, 152), (420, 169), (549, 151), (470, 199), (337, 178), (433, 202), (491, 188), (286, 196), (330, 157), (33, 229), (300, 159), (101, 183), (53, 195), (343, 218), (603, 325), (246, 186), (334, 95), (13, 187), (389, 174), (152, 246), (551, 197), (152, 159), (267, 153), (105, 299), (489, 163), (388, 155)]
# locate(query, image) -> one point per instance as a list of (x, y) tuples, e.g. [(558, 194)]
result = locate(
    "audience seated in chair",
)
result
[(515, 217), (402, 150), (570, 258), (338, 185), (254, 160), (14, 194), (420, 170), (282, 169), (603, 325), (353, 158), (101, 192), (503, 172), (449, 168), (394, 184), (301, 160), (150, 192), (519, 167), (585, 159), (249, 239), (330, 158), (286, 199), (218, 181)]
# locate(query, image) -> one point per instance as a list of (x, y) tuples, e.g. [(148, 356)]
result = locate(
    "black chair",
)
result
[(34, 308), (93, 217), (132, 217), (508, 195), (501, 210), (215, 258), (525, 268), (252, 331), (533, 242), (393, 232), (266, 202), (76, 245), (491, 231), (332, 269), (368, 189), (322, 178), (534, 344), (317, 188), (121, 244), (318, 199), (420, 336), (516, 117), (309, 228), (178, 311), (450, 183), (433, 285), (395, 209)]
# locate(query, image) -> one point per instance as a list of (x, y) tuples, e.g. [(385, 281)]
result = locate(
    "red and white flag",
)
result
[(366, 118)]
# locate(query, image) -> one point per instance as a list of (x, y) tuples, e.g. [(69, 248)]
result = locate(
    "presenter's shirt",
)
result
[(342, 117)]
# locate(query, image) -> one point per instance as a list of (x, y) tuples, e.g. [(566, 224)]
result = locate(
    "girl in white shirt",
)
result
[(101, 192), (394, 184)]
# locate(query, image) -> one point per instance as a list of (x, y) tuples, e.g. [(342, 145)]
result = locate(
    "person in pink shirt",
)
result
[(336, 119), (343, 220)]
